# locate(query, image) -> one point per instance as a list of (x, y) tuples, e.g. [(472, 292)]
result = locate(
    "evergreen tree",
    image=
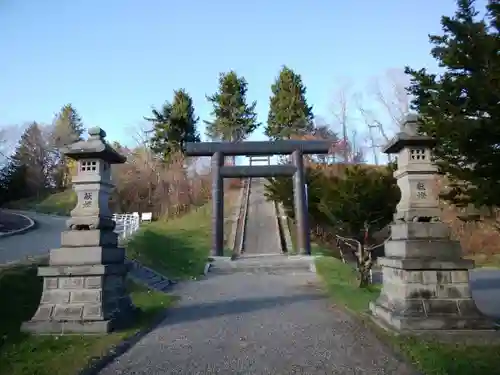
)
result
[(68, 126), (289, 113), (67, 129), (174, 125), (234, 118), (461, 106), (27, 173), (13, 178)]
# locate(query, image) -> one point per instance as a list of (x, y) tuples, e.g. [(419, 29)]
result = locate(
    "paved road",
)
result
[(485, 285), (261, 233), (246, 323), (39, 241), (10, 222)]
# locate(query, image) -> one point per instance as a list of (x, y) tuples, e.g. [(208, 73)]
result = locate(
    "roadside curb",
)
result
[(30, 226)]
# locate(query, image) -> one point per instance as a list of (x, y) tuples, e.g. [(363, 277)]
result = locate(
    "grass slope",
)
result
[(179, 247), (57, 204), (176, 247), (430, 357)]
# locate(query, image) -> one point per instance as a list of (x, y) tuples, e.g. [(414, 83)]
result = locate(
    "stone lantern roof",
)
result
[(95, 147), (409, 137)]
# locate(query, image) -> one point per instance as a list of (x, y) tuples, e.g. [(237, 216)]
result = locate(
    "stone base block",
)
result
[(83, 299), (91, 221), (424, 322), (425, 264), (89, 238), (419, 231), (423, 248), (410, 214), (51, 327), (427, 294), (68, 256)]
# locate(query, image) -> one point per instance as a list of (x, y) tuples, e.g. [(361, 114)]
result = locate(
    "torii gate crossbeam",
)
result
[(297, 148)]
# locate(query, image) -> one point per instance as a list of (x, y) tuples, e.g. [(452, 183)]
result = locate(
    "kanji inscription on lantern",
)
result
[(87, 200), (421, 191)]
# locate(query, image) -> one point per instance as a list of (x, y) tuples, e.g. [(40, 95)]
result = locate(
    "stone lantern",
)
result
[(84, 283), (425, 279)]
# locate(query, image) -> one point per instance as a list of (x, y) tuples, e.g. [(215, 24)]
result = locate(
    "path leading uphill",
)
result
[(261, 232), (267, 315), (257, 323)]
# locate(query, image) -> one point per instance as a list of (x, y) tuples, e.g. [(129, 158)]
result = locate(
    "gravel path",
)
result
[(261, 233), (257, 323)]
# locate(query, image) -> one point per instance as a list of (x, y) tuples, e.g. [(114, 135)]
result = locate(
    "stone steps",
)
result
[(263, 263), (148, 277)]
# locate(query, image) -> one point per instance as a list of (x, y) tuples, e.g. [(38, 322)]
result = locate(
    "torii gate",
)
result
[(297, 148)]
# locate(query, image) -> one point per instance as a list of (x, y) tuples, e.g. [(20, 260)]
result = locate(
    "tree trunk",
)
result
[(364, 265), (364, 275)]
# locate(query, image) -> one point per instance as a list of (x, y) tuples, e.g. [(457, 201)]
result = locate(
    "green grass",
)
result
[(57, 204), (342, 285), (22, 354), (178, 247), (430, 357)]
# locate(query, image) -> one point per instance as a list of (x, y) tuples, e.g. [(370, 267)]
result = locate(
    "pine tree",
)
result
[(461, 106), (13, 182), (234, 118), (289, 113), (174, 125), (67, 129), (68, 126), (27, 173)]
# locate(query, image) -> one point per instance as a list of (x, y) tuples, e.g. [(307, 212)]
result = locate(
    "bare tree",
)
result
[(384, 106), (146, 183), (350, 144), (341, 113), (141, 134), (324, 131)]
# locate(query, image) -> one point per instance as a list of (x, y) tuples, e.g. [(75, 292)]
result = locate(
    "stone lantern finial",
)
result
[(97, 133), (84, 284), (410, 124)]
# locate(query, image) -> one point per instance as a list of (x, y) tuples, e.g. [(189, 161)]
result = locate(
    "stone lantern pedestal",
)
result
[(84, 285), (425, 279)]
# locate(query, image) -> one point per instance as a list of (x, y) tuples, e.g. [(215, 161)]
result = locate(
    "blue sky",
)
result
[(114, 59)]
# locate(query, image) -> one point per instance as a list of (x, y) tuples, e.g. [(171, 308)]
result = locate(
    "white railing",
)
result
[(128, 224)]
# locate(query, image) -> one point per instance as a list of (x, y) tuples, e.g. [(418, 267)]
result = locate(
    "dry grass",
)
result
[(480, 239)]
